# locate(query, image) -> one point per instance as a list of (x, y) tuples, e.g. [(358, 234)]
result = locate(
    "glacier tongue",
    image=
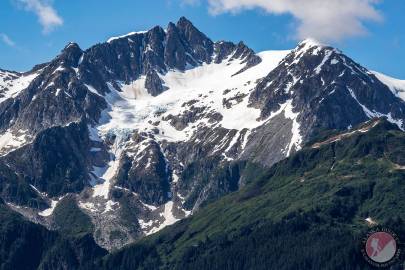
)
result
[(103, 189)]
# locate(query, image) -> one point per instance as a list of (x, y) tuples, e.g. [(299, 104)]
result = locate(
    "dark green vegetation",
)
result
[(306, 212), (25, 245), (70, 220)]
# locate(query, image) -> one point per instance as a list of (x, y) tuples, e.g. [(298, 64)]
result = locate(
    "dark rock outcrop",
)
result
[(147, 175), (56, 162)]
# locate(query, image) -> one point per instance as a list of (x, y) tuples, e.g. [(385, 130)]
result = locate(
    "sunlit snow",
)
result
[(14, 86), (126, 35), (132, 107), (395, 85), (10, 140)]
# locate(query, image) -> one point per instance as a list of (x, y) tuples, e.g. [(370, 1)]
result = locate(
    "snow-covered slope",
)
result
[(395, 85), (11, 83), (131, 107)]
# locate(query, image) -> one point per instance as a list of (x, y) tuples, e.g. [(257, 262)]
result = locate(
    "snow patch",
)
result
[(372, 114), (134, 108), (49, 211), (109, 206), (145, 225), (175, 177), (334, 61), (318, 69), (92, 89), (168, 217), (126, 35), (58, 69), (88, 206), (10, 141), (93, 134), (12, 87), (296, 138)]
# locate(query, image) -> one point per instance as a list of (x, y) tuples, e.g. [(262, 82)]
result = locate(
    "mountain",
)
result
[(143, 130), (309, 211)]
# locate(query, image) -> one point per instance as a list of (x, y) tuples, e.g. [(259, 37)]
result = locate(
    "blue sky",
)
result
[(25, 40)]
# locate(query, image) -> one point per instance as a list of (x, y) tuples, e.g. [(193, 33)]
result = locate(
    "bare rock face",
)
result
[(199, 46), (56, 160), (153, 83), (147, 175), (15, 189)]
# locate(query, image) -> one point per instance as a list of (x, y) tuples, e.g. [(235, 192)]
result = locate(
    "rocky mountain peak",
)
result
[(201, 46), (171, 27), (157, 30), (310, 42), (71, 54), (184, 22), (72, 46)]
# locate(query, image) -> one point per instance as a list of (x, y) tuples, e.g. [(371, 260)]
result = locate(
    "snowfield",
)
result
[(133, 107)]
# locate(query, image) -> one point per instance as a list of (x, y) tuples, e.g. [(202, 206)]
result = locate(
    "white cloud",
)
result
[(324, 20), (7, 40), (48, 17)]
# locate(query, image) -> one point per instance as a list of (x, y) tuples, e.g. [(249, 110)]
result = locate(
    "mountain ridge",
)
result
[(149, 127)]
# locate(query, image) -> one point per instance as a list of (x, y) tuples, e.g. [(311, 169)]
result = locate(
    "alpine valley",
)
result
[(270, 160)]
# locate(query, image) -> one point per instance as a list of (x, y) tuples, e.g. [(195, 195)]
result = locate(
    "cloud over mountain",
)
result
[(331, 20)]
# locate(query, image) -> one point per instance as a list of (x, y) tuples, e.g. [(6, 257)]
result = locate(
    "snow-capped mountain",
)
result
[(145, 128)]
